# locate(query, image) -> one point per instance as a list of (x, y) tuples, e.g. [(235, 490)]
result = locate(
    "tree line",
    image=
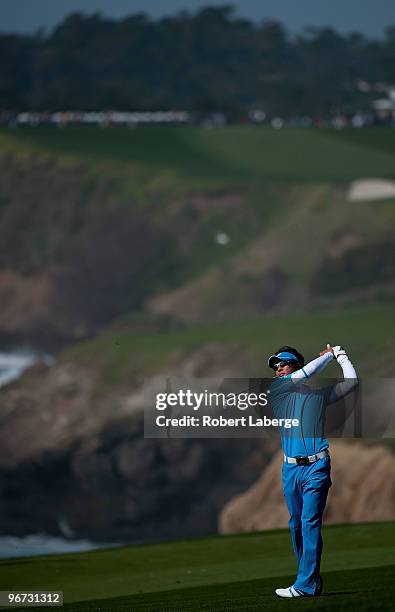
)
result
[(208, 61)]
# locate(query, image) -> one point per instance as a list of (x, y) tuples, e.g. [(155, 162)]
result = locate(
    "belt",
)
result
[(307, 460)]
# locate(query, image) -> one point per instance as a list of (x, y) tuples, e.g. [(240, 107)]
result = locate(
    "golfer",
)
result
[(306, 466)]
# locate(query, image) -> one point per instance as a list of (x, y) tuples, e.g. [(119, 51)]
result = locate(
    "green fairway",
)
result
[(217, 573), (232, 155), (297, 154), (381, 139)]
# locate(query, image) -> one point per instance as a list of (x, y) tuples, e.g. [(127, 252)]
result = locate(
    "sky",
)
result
[(370, 17)]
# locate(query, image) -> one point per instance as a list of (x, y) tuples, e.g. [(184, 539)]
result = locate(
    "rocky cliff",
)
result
[(74, 461), (363, 490), (68, 255)]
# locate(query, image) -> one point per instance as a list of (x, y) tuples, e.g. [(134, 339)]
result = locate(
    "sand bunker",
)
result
[(371, 189)]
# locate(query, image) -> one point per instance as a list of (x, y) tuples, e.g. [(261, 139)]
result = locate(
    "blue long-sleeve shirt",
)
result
[(292, 399)]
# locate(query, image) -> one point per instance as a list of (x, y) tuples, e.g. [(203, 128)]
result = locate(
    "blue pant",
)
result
[(305, 491)]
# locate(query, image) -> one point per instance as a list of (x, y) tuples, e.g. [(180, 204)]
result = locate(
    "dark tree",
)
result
[(208, 61)]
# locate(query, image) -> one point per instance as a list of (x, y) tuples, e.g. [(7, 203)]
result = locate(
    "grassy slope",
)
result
[(190, 158), (218, 573), (311, 225), (273, 170), (119, 353), (158, 163)]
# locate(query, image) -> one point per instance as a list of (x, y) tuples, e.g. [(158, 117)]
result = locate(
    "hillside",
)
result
[(186, 224), (221, 573), (320, 251), (121, 352)]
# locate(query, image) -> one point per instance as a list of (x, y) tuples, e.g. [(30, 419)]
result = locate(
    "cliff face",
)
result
[(363, 489), (73, 253), (75, 463)]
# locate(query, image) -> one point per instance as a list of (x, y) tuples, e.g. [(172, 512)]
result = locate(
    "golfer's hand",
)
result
[(328, 349)]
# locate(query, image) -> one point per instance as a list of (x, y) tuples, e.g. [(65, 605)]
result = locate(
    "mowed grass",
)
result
[(217, 573), (195, 156), (381, 139), (120, 352)]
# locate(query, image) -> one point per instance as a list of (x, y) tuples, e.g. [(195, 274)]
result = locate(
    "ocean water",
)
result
[(14, 362), (42, 544)]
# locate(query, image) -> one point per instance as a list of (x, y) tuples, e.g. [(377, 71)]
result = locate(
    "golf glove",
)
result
[(338, 351)]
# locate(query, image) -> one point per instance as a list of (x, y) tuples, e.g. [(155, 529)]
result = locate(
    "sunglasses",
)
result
[(283, 363)]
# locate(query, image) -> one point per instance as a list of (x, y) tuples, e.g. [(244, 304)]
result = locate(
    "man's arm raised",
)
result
[(313, 367), (350, 376)]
